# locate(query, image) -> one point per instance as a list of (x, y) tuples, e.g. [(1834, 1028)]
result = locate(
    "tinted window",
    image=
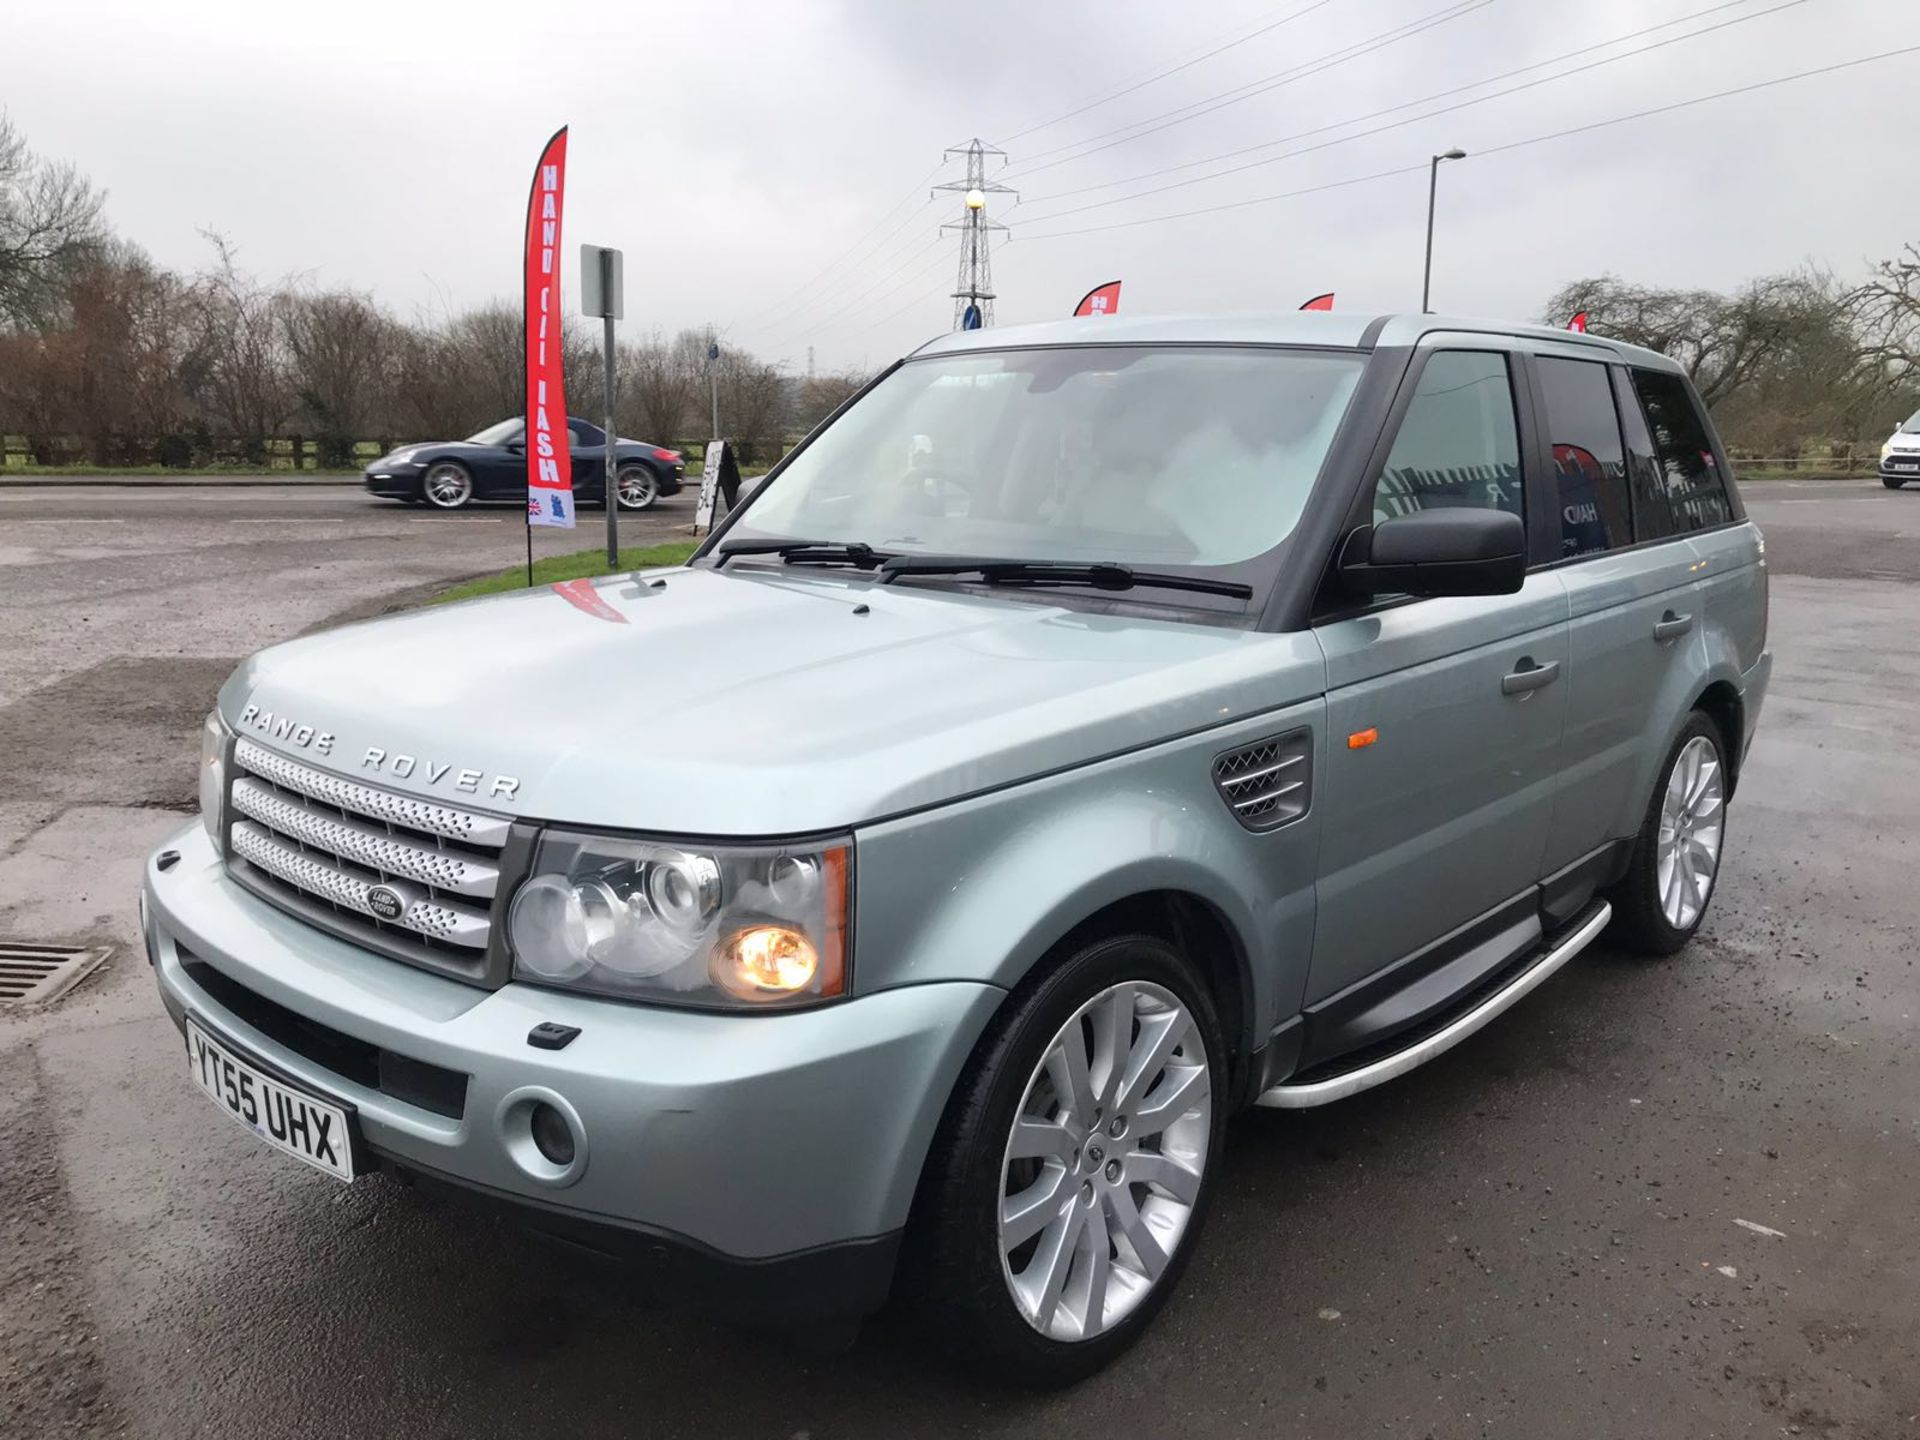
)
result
[(1589, 462), (583, 433), (1686, 491), (1458, 446)]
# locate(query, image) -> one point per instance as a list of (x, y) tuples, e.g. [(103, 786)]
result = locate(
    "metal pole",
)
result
[(612, 486), (1426, 278), (713, 395)]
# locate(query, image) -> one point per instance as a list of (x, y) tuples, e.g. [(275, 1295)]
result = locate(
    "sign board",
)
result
[(709, 487), (602, 282)]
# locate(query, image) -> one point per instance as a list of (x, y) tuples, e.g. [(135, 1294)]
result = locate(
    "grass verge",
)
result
[(569, 567), (161, 472)]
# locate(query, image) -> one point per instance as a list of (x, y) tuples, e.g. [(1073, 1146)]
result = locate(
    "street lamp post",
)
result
[(1433, 186)]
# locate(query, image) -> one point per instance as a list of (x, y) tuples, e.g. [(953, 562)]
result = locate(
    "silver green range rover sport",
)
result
[(1092, 729)]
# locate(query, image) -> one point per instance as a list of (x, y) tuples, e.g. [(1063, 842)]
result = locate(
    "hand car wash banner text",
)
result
[(549, 464)]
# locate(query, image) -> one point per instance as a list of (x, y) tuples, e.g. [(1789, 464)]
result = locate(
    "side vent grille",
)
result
[(1269, 783)]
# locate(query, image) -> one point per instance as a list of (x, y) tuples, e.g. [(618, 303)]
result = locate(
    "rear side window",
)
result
[(1589, 461), (1683, 489), (1458, 446)]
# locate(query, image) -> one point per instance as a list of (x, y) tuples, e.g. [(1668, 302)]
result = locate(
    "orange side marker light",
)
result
[(1360, 739)]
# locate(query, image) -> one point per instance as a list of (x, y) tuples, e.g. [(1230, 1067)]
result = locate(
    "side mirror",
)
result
[(1438, 552), (518, 447)]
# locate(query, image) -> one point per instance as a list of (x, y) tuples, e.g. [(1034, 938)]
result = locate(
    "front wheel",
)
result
[(1067, 1187), (447, 486), (1676, 857), (1893, 482), (637, 487)]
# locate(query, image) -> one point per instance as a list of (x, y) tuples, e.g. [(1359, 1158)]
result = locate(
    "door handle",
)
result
[(1672, 626), (1527, 676)]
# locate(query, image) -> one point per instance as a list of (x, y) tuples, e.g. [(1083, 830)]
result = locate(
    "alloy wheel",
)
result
[(1105, 1160), (447, 487), (637, 487), (1692, 817)]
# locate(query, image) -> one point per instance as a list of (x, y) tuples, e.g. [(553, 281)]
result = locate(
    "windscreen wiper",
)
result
[(807, 552), (1100, 575)]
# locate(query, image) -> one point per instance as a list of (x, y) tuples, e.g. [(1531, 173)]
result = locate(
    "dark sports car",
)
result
[(492, 465)]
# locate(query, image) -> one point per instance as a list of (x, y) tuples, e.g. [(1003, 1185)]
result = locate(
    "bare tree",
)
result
[(238, 368), (820, 395), (455, 375), (49, 222), (658, 389), (1722, 341), (1887, 311), (753, 405), (341, 348)]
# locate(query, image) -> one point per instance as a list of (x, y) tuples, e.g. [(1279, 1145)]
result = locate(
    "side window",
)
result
[(1686, 475), (581, 433), (1589, 461), (1458, 446)]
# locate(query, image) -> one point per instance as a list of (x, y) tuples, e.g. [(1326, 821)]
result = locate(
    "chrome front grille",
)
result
[(415, 877)]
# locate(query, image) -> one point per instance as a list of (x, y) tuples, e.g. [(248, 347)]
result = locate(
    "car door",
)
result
[(1633, 605), (1444, 714), (500, 470), (589, 446)]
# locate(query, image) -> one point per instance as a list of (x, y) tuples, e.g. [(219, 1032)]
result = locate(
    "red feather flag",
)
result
[(549, 461), (1320, 302), (1101, 300), (1578, 323)]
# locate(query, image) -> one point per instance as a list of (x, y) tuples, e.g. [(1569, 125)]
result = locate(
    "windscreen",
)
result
[(1912, 427), (498, 433), (1195, 457)]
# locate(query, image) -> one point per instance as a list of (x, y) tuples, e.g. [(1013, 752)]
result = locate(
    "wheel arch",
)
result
[(1199, 930), (1720, 702)]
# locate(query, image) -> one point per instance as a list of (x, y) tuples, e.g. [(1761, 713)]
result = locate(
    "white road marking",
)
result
[(1761, 1229)]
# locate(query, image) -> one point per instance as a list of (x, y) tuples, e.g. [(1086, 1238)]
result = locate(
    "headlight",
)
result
[(712, 925), (1886, 450), (213, 775)]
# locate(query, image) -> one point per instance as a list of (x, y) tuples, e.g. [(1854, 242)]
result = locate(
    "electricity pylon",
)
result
[(973, 290)]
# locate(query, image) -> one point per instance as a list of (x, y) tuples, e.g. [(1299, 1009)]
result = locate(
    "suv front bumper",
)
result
[(762, 1163)]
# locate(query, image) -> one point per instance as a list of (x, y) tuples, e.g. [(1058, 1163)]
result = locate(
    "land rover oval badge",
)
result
[(386, 902)]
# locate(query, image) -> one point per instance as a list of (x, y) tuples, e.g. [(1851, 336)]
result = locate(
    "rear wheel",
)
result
[(1676, 858), (447, 486), (637, 487), (1067, 1188)]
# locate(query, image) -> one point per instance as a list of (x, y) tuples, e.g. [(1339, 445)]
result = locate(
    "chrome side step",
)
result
[(1391, 1067)]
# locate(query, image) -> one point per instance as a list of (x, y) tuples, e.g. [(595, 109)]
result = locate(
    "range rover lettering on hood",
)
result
[(393, 763), (436, 772)]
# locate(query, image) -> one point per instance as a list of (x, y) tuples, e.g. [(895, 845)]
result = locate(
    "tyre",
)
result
[(637, 487), (1067, 1186), (1676, 857), (1893, 482), (447, 485)]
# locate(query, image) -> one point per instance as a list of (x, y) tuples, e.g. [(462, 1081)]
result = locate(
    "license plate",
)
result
[(288, 1119), (1906, 464)]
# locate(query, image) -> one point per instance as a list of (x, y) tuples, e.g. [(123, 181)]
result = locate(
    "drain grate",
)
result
[(37, 974)]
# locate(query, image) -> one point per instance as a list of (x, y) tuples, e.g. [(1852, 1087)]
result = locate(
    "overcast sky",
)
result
[(737, 149)]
